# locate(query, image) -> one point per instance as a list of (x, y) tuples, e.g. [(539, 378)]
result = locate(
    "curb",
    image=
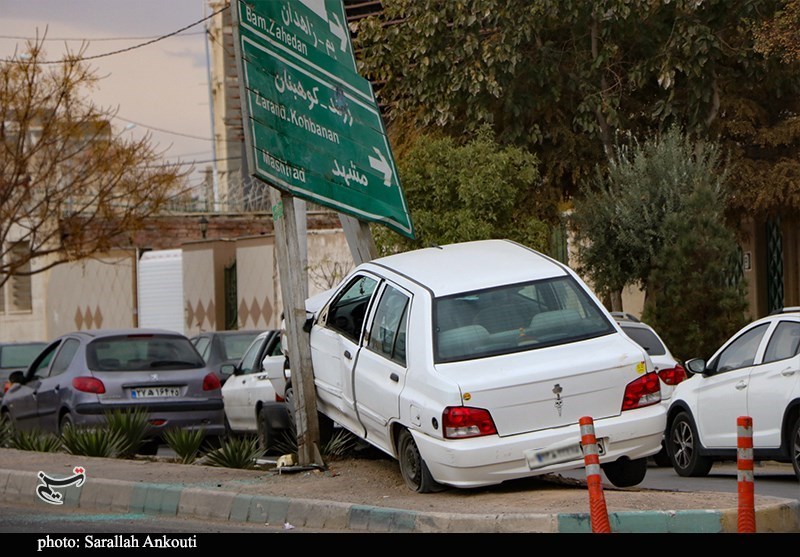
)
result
[(199, 503)]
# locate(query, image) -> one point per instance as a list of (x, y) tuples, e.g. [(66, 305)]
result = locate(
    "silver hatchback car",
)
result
[(81, 376)]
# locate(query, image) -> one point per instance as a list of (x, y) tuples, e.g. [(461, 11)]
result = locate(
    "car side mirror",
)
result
[(696, 365), (16, 377), (227, 369)]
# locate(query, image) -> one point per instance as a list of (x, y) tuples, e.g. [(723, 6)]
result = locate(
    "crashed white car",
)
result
[(472, 363)]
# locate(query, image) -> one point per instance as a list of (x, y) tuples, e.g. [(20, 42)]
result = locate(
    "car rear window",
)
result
[(142, 352), (514, 318), (647, 339)]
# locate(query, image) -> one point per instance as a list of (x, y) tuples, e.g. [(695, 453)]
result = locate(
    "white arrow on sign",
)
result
[(339, 32), (381, 165), (336, 27)]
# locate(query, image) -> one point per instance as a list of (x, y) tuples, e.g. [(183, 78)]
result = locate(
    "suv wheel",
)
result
[(683, 447), (625, 472)]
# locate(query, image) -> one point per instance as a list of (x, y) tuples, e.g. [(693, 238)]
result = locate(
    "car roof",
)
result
[(473, 265), (102, 333)]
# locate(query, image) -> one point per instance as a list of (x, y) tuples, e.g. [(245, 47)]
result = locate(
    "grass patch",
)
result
[(235, 452), (185, 442), (35, 440), (101, 441), (132, 428), (6, 431)]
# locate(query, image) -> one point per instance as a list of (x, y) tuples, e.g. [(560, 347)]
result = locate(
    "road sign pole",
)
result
[(359, 238), (294, 290)]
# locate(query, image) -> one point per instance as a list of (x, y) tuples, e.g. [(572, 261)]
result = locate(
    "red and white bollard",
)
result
[(598, 513), (744, 474)]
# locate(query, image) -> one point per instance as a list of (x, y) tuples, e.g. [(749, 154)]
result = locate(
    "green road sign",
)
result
[(314, 127)]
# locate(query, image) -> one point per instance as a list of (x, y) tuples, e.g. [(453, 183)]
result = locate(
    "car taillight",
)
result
[(460, 422), (645, 391), (211, 382), (673, 375), (279, 398), (88, 385), (6, 386)]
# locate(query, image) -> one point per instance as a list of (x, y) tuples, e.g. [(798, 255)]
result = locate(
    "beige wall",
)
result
[(257, 286), (91, 294), (203, 283)]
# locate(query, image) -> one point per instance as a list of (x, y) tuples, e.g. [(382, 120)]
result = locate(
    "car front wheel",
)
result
[(683, 447), (413, 469)]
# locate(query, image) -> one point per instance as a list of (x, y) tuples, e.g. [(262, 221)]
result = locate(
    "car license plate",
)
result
[(539, 458), (155, 392)]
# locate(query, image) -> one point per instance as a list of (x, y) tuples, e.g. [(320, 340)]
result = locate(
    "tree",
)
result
[(701, 299), (562, 77), (69, 187), (655, 220), (473, 191)]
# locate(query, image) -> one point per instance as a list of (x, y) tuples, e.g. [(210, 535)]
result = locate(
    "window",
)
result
[(346, 315), (203, 345), (388, 335), (64, 357), (248, 363), (742, 351), (20, 296), (784, 342)]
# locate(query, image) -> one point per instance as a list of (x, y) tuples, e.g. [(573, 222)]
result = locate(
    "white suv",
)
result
[(756, 373), (472, 363)]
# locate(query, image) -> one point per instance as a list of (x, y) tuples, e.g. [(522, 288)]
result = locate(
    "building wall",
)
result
[(204, 289), (90, 294), (27, 325)]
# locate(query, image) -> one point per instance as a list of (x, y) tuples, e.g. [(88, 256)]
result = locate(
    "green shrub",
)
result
[(235, 452), (185, 442), (35, 440), (133, 428), (102, 441), (6, 431)]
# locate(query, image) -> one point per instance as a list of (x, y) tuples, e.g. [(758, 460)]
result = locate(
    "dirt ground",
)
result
[(370, 480)]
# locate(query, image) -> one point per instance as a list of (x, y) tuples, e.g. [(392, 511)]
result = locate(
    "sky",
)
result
[(159, 88)]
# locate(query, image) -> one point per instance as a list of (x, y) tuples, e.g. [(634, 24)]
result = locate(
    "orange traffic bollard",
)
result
[(744, 459), (598, 513)]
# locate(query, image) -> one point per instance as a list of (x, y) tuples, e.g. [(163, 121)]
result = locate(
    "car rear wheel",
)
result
[(64, 423), (795, 447), (413, 469), (683, 447), (625, 472)]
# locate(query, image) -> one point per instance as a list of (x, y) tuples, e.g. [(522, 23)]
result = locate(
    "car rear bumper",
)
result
[(491, 460), (208, 415)]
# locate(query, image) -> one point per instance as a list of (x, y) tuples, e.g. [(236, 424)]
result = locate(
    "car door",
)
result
[(236, 393), (380, 370), (725, 389), (774, 383), (55, 387), (335, 339), (23, 397)]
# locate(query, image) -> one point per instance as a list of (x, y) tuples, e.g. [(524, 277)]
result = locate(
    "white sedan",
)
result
[(248, 395), (472, 363)]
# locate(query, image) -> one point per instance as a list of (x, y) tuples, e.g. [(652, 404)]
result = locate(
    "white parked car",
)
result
[(755, 374), (669, 370), (472, 363), (251, 404)]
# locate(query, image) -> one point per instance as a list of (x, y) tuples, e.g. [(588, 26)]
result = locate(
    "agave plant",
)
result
[(235, 452), (132, 426), (185, 442), (6, 431), (35, 440), (102, 442)]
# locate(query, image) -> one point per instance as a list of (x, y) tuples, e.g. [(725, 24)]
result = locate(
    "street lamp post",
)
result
[(203, 225)]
